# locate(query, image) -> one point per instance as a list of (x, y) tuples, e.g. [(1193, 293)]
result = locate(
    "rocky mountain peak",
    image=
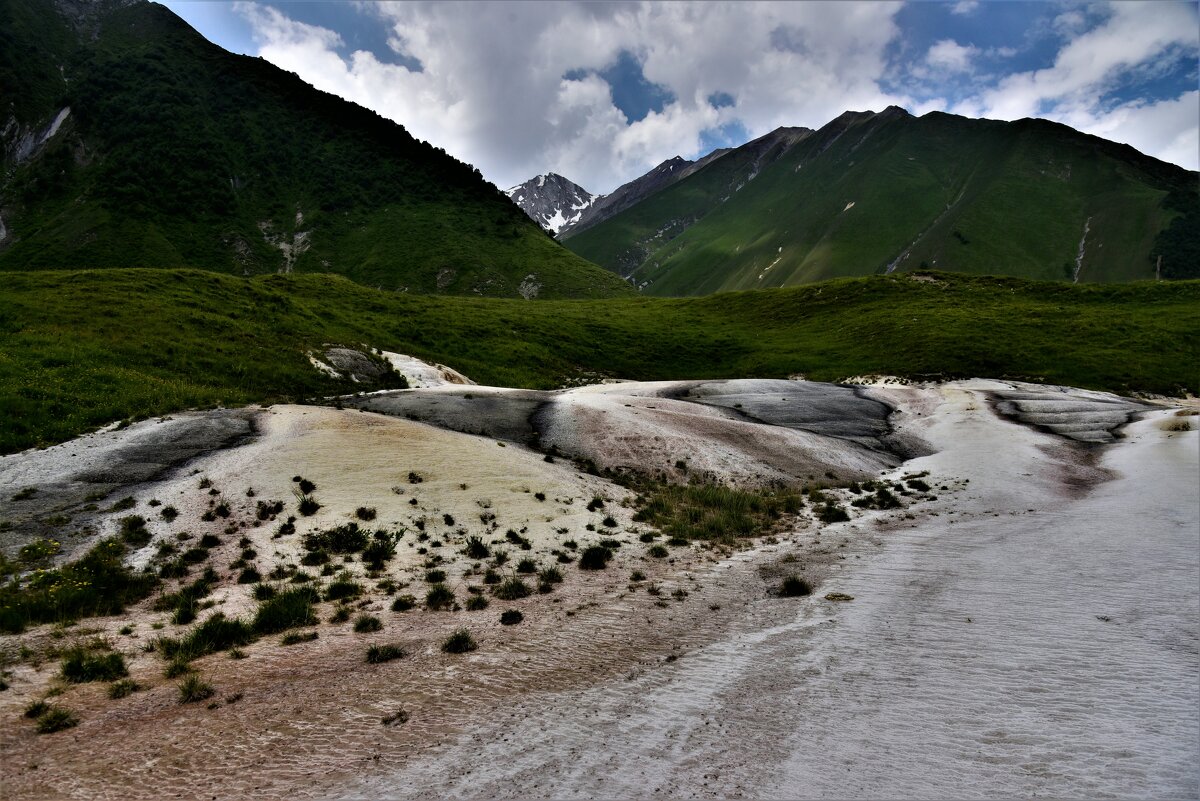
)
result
[(551, 200)]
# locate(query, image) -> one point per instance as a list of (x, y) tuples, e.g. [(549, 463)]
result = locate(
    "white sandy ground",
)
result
[(892, 694), (975, 660)]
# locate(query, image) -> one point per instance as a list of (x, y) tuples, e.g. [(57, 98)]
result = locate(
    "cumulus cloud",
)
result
[(964, 7), (1128, 40), (514, 88), (1129, 44), (492, 88), (951, 56)]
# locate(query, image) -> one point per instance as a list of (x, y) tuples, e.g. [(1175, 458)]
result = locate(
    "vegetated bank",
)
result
[(80, 349)]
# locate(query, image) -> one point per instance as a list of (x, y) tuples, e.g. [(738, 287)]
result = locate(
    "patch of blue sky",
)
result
[(218, 22), (359, 28), (1168, 78), (223, 24), (635, 96), (721, 100), (1006, 38), (731, 134)]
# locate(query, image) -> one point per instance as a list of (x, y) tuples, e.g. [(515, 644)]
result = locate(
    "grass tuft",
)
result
[(794, 587), (366, 624), (80, 666), (56, 719), (123, 688), (512, 589), (291, 608), (378, 654), (594, 557), (460, 642), (194, 689)]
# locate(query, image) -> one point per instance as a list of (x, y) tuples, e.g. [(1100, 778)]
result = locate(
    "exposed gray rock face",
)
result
[(551, 200), (1073, 413), (356, 364)]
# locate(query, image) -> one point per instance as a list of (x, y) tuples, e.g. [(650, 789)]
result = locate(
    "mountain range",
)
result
[(874, 193), (127, 139)]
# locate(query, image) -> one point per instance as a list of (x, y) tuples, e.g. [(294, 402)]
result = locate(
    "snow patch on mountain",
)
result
[(551, 200)]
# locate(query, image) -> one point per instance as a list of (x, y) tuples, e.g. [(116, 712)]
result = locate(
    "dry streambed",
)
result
[(308, 719)]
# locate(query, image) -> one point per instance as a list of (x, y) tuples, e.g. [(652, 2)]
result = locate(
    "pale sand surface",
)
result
[(892, 694), (973, 661)]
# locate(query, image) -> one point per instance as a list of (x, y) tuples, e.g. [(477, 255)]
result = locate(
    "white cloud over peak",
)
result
[(1087, 65), (492, 90), (491, 87), (1130, 43)]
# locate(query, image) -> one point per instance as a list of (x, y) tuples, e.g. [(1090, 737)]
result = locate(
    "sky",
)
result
[(601, 92)]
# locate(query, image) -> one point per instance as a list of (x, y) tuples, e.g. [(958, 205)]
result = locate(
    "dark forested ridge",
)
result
[(129, 140)]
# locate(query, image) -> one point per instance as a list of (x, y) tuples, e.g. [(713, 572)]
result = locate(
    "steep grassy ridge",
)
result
[(80, 349), (175, 153), (873, 192)]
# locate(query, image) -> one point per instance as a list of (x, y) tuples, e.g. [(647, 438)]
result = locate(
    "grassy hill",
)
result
[(873, 193), (80, 349), (176, 153)]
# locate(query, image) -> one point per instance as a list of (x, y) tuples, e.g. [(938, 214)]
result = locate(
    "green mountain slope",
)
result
[(129, 140), (80, 349), (873, 193)]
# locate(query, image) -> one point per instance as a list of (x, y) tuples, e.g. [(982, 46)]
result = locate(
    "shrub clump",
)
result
[(832, 513), (403, 603), (122, 688), (341, 588), (98, 584), (476, 548), (193, 689), (306, 504), (218, 633), (713, 512), (289, 609), (512, 589), (439, 597), (297, 637), (511, 617), (367, 623), (381, 549), (378, 654), (346, 538), (476, 603), (460, 642), (56, 719), (594, 557), (133, 531), (79, 666), (794, 587)]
